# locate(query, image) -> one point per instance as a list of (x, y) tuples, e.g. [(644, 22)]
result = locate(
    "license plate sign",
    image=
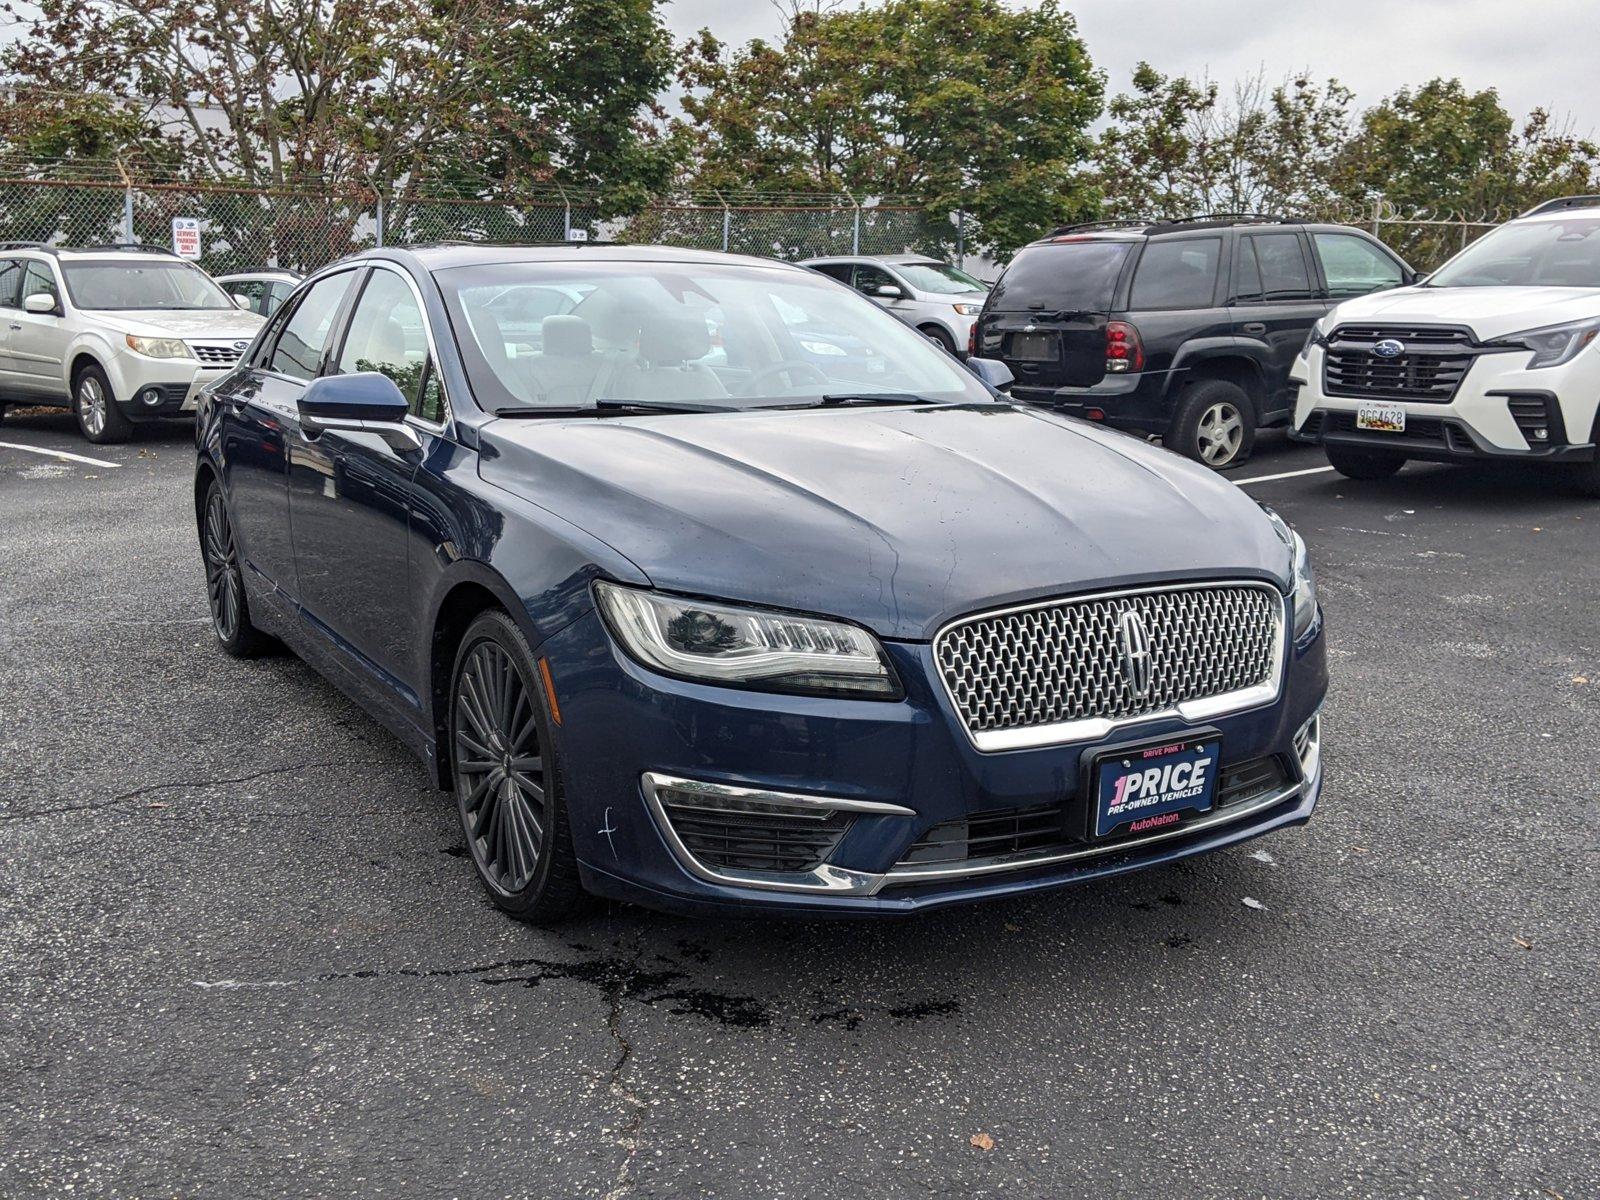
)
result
[(1381, 418), (1149, 788), (1034, 347)]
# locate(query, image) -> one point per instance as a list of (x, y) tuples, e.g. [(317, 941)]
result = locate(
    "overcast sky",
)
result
[(1536, 52)]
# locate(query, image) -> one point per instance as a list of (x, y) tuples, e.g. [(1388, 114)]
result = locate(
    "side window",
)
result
[(253, 290), (839, 271), (305, 334), (1353, 266), (387, 335), (40, 280), (10, 283), (277, 293), (1282, 266), (1177, 274), (869, 279)]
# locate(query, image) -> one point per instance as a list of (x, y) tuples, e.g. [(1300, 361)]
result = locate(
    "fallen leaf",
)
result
[(1580, 680), (1252, 902), (1263, 856), (1010, 928), (155, 804), (1538, 529), (1359, 849), (982, 1141), (1523, 942)]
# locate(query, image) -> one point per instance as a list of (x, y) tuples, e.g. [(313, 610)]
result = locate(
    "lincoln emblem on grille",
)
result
[(1135, 652)]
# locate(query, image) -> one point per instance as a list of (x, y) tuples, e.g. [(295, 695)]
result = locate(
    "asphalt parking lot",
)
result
[(241, 953)]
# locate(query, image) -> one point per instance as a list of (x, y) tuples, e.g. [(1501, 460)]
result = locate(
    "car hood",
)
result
[(222, 324), (896, 518), (1490, 312)]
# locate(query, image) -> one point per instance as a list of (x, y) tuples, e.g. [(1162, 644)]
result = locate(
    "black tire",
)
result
[(938, 334), (1215, 424), (1363, 464), (225, 594), (99, 418), (514, 817)]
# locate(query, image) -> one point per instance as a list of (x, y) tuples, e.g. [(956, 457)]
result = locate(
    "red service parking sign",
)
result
[(186, 237)]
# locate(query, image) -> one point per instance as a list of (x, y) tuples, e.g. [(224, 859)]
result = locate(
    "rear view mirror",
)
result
[(42, 303), (992, 371), (365, 402)]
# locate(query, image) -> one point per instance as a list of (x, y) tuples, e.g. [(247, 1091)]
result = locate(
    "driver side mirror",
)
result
[(364, 402), (993, 372), (243, 301), (888, 291), (42, 303)]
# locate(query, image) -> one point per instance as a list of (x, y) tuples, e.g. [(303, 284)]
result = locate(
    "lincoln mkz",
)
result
[(704, 583)]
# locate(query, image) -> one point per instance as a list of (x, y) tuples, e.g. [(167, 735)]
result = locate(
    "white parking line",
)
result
[(93, 462), (1285, 475)]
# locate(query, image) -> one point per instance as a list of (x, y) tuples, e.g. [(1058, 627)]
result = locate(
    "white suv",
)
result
[(118, 333), (1490, 358), (939, 299)]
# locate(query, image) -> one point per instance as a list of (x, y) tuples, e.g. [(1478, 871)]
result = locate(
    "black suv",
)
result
[(1183, 328)]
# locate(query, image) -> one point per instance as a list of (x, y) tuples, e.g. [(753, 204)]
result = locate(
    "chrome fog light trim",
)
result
[(1308, 745)]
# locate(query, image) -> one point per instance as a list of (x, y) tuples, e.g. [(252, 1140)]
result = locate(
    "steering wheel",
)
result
[(752, 385)]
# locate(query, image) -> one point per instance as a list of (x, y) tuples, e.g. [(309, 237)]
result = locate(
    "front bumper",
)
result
[(1480, 422), (178, 382), (909, 760)]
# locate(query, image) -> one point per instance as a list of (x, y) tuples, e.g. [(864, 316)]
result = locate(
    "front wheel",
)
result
[(99, 418), (508, 781), (1363, 464), (1215, 424), (230, 608), (938, 334)]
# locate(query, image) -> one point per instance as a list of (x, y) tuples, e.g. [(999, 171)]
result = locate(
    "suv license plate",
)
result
[(1382, 418), (1033, 347)]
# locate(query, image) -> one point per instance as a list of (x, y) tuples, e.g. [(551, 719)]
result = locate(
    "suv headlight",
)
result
[(1304, 597), (1552, 345), (747, 647), (1318, 336), (968, 310), (158, 347)]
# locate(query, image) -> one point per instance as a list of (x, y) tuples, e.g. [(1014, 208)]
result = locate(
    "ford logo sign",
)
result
[(1389, 348)]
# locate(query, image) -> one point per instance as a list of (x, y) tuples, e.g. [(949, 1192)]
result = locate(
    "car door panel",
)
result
[(1274, 303), (38, 341)]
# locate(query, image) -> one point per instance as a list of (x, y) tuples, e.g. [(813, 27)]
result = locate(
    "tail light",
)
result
[(1124, 350), (972, 341)]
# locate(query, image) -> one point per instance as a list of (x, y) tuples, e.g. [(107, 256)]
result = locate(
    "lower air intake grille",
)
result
[(1538, 420), (749, 835), (989, 835)]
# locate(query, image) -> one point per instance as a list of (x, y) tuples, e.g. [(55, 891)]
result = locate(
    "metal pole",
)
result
[(382, 214), (127, 215), (961, 239), (727, 225), (1377, 215), (855, 233)]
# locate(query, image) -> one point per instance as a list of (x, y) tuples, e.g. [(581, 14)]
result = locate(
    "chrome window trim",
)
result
[(823, 878), (1218, 817), (1091, 729), (440, 428)]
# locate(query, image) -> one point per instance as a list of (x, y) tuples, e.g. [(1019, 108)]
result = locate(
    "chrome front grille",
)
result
[(1060, 670), (216, 354)]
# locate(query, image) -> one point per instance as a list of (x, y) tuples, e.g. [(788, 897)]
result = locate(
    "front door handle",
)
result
[(1253, 327), (15, 325)]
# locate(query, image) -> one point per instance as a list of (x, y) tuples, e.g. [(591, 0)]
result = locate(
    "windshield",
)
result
[(563, 335), (1067, 276), (1528, 254), (939, 277), (144, 285)]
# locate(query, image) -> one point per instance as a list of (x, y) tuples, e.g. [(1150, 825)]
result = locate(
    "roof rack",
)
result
[(265, 271), (45, 246), (1561, 204), (140, 247), (1230, 218), (1087, 226)]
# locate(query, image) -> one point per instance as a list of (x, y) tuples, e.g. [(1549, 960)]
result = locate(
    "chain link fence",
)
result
[(302, 229)]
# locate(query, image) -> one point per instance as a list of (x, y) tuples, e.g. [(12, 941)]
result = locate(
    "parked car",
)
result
[(1491, 358), (1184, 329), (725, 630), (935, 297), (261, 288), (120, 334)]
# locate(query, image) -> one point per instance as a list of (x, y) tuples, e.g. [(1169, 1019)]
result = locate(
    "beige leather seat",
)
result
[(564, 371), (666, 367)]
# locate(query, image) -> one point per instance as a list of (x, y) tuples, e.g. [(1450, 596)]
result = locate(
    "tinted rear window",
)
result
[(1075, 276), (1177, 274)]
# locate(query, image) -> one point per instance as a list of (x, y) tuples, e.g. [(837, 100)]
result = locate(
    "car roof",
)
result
[(1143, 230), (263, 273), (442, 256), (891, 259), (109, 250)]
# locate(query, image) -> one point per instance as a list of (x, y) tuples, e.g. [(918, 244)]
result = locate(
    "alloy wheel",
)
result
[(222, 569), (499, 769), (1220, 434), (92, 405)]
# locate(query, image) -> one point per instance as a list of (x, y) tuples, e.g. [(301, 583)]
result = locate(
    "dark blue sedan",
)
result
[(694, 605)]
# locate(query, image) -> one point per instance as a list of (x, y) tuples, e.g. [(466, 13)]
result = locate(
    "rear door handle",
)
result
[(15, 325), (1253, 327)]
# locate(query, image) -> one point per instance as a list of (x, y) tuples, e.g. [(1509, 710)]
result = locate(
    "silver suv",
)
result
[(937, 298), (119, 334)]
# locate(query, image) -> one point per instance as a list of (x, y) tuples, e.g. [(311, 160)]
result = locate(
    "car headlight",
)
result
[(1318, 336), (968, 310), (746, 647), (158, 347), (1304, 597), (1552, 345)]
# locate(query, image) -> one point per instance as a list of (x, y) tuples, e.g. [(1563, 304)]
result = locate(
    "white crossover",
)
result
[(1493, 357), (120, 334)]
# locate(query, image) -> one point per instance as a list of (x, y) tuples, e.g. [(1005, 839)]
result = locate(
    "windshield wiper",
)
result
[(845, 399), (609, 408)]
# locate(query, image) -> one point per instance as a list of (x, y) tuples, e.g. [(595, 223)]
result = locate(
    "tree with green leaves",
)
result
[(964, 104)]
